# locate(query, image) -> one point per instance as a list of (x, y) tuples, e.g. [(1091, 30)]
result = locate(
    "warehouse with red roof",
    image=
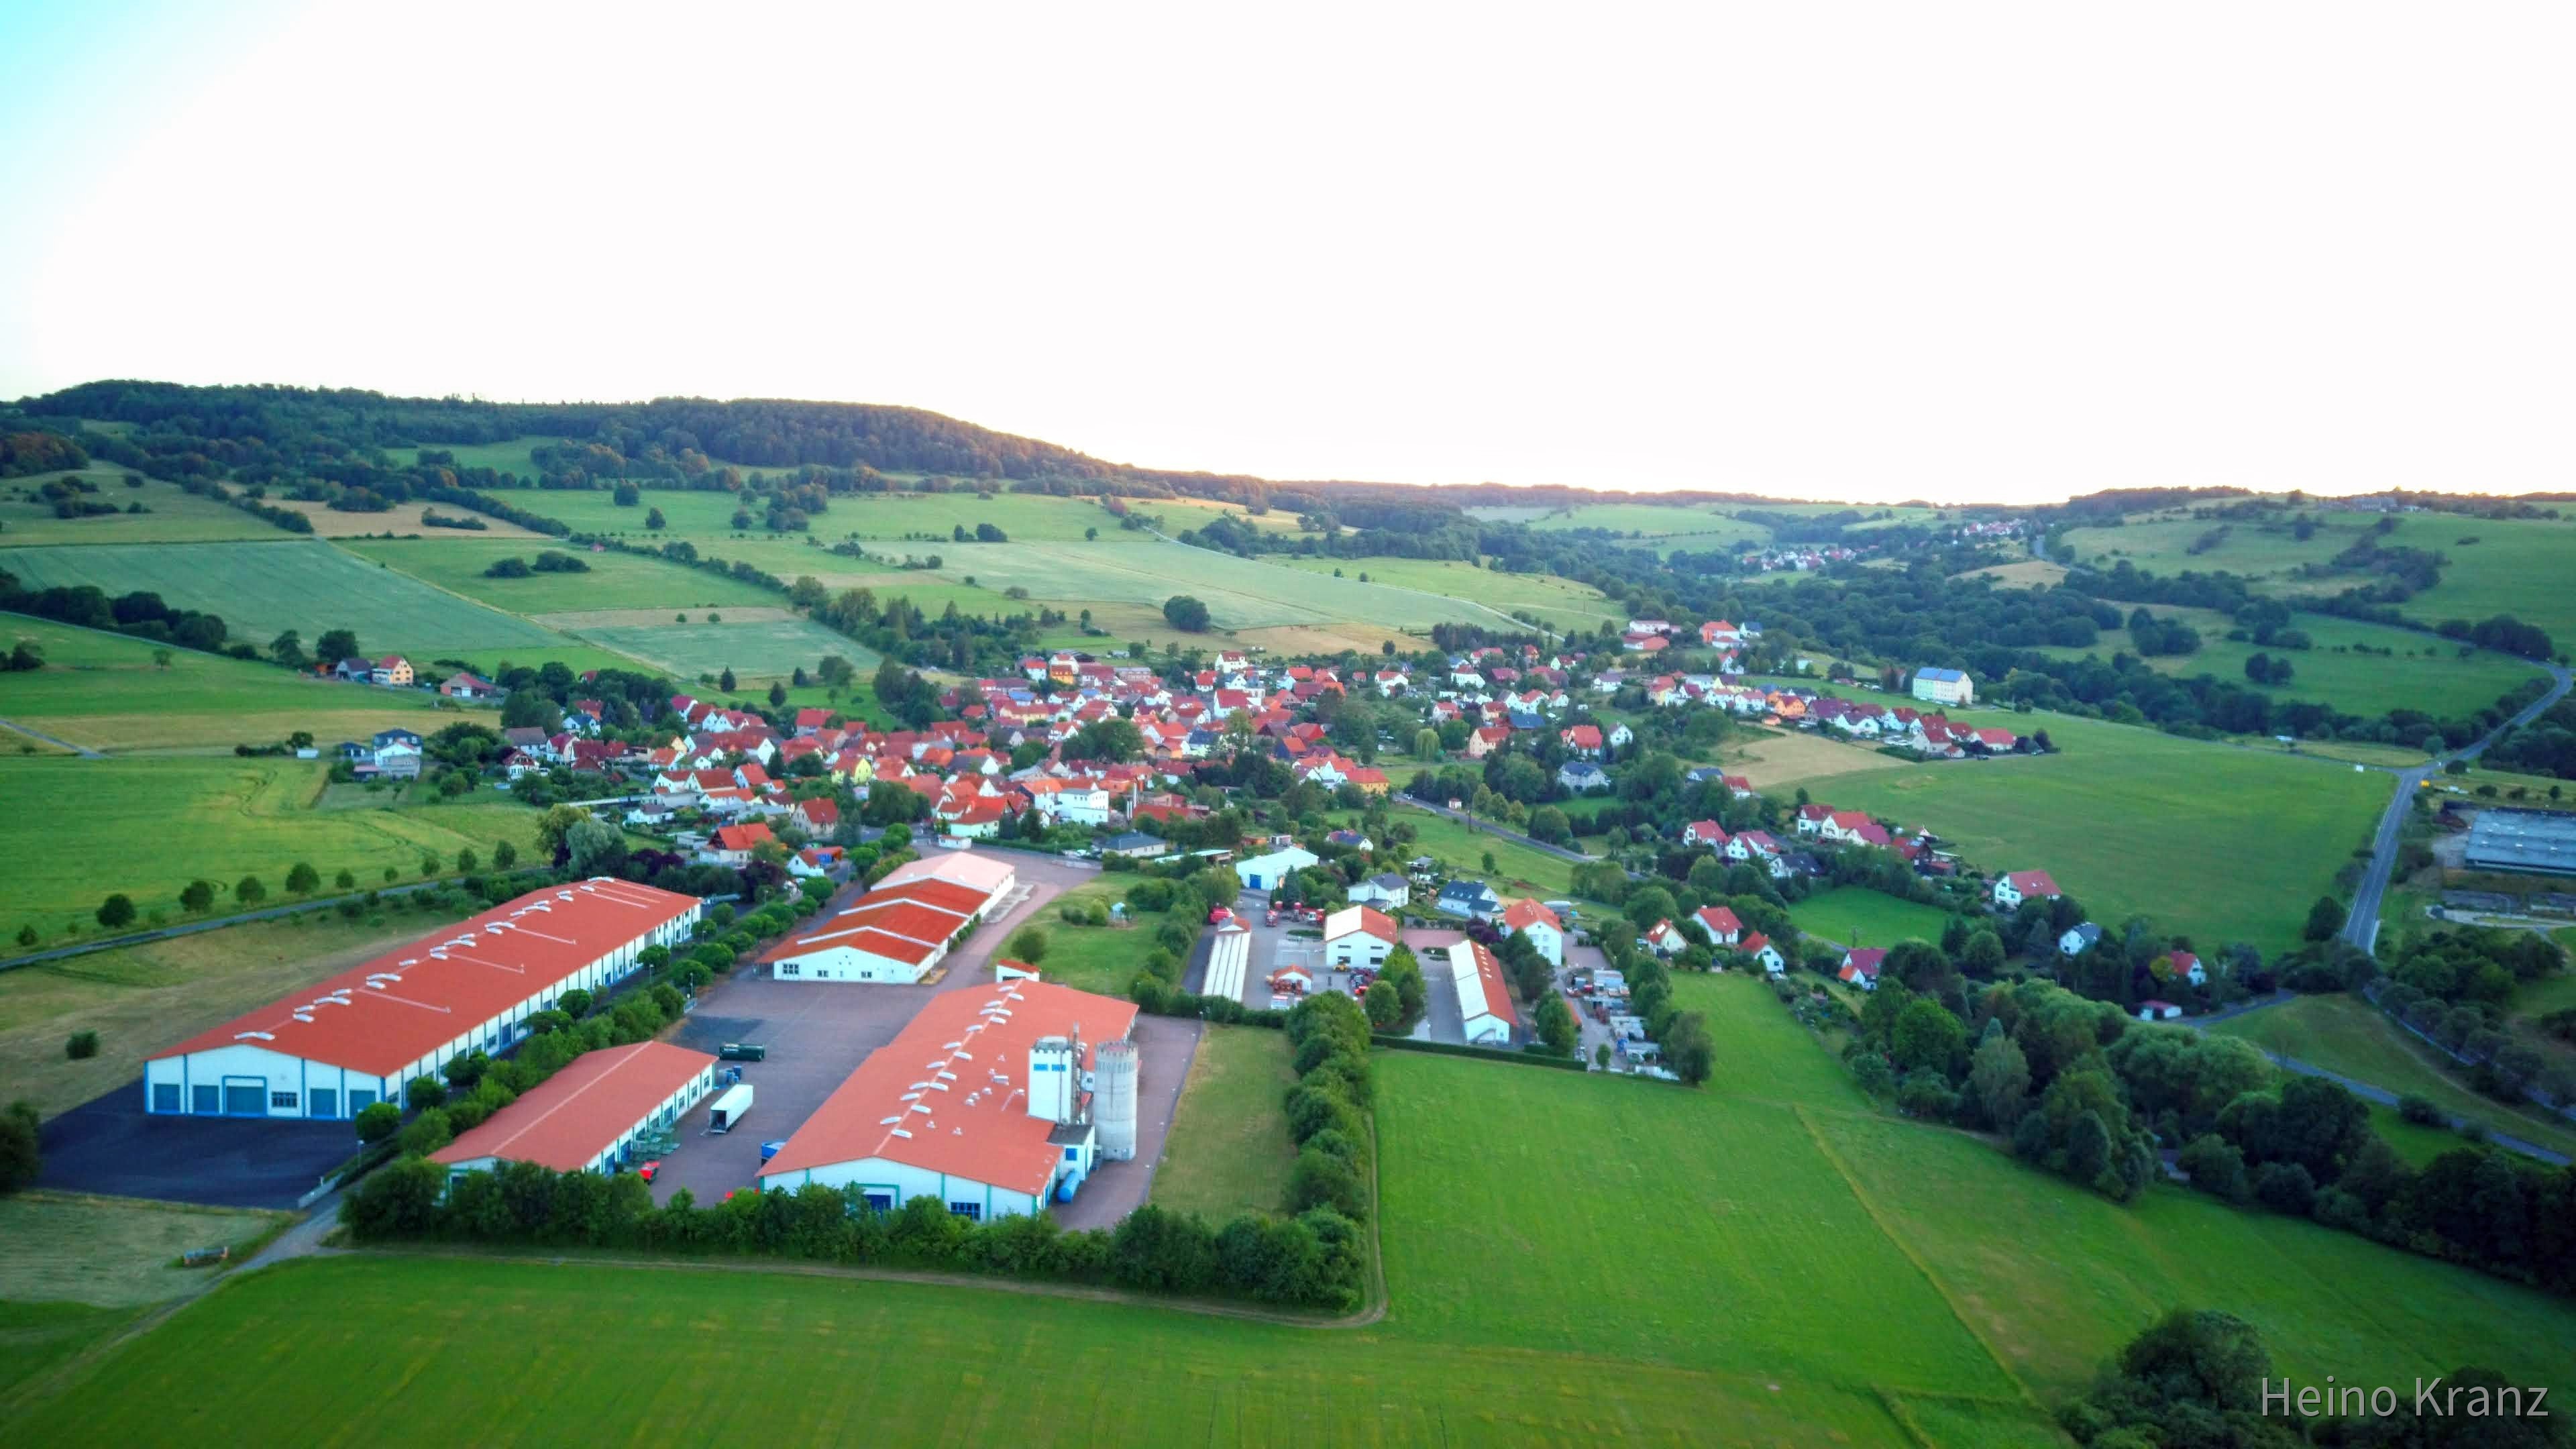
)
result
[(581, 1118), (990, 1102), (359, 1037), (895, 933)]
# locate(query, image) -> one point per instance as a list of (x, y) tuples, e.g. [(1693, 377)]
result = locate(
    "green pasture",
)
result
[(1462, 847), (1857, 917), (1691, 526), (893, 518), (759, 649), (2522, 567), (1560, 602), (2349, 1037), (172, 516), (260, 589), (148, 826), (2213, 841), (1229, 1151), (2421, 673), (2266, 551), (615, 580), (105, 691)]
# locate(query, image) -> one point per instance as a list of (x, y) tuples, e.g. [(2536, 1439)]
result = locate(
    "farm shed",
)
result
[(359, 1037)]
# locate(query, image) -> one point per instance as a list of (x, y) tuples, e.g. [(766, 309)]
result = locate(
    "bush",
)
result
[(2422, 1111), (1150, 895), (1028, 944), (2286, 1187), (427, 1133), (574, 1003), (2216, 1167), (377, 1121), (425, 1093), (1322, 1180), (81, 1046)]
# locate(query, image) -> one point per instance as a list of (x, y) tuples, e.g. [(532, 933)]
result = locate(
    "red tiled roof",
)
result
[(995, 1141), (1720, 920), (484, 965), (743, 837), (1524, 913), (568, 1120)]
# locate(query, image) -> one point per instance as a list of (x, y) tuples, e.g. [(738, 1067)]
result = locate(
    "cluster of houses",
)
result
[(1796, 558)]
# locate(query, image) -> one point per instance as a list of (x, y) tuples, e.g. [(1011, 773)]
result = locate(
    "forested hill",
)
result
[(287, 426)]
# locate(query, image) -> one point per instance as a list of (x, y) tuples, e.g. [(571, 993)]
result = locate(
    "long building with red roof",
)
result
[(358, 1038), (985, 1102), (581, 1118), (895, 933)]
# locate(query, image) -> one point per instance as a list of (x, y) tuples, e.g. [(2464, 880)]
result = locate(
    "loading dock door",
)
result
[(246, 1099)]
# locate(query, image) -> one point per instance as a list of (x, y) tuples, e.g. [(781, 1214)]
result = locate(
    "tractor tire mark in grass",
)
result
[(1888, 1230)]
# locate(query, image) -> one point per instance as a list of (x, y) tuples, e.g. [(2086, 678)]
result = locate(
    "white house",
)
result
[(1720, 923), (2023, 885), (1385, 889), (2079, 940), (1944, 686), (1356, 937), (582, 1118), (990, 1102), (1759, 947), (1526, 917), (2153, 1010), (360, 1037), (1264, 872)]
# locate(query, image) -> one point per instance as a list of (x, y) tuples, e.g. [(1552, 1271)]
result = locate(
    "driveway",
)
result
[(817, 1033), (1441, 1020)]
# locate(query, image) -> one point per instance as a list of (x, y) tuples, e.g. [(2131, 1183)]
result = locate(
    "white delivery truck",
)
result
[(729, 1108)]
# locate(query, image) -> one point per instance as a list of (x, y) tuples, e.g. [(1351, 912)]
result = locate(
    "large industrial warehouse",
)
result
[(581, 1118), (359, 1037), (2525, 842), (899, 931), (991, 1101)]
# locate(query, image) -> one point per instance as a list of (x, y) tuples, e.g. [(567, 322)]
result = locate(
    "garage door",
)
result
[(246, 1101)]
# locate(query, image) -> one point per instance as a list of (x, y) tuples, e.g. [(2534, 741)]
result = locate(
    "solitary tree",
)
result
[(249, 891), (1186, 614), (2324, 919), (653, 519), (777, 694), (345, 880), (725, 681), (504, 856), (116, 912), (302, 879), (465, 862), (196, 896), (377, 1121)]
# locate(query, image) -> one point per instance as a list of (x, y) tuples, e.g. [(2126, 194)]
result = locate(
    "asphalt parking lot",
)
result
[(111, 1146), (817, 1033)]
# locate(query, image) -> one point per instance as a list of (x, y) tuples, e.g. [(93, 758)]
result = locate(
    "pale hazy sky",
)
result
[(1868, 251)]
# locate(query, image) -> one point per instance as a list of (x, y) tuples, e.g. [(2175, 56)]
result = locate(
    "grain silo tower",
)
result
[(1113, 1105)]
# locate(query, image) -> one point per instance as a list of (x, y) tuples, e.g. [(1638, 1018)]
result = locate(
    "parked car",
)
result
[(648, 1169)]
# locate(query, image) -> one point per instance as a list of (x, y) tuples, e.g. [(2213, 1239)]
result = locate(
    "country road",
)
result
[(84, 751), (2361, 926)]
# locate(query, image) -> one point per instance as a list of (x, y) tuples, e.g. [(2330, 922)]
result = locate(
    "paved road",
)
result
[(2387, 1098), (2361, 926), (84, 751), (190, 928)]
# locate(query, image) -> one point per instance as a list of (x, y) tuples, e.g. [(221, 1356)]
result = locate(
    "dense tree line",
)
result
[(141, 614)]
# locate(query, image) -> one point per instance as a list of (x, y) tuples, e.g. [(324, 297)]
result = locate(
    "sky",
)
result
[(1965, 252)]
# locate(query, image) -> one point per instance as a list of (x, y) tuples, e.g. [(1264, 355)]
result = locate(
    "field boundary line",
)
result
[(1031, 1287), (1888, 1230)]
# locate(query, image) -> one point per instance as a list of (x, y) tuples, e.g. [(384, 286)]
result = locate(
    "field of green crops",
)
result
[(260, 589), (614, 580), (147, 826), (760, 650), (2216, 842), (1560, 603)]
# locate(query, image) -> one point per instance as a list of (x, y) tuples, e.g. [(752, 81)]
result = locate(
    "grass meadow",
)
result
[(172, 515), (1559, 602), (2216, 842), (1228, 1151), (2423, 673), (148, 826), (112, 1252), (1856, 917), (2348, 1036), (140, 999), (1662, 524), (104, 691), (2519, 567), (1462, 847), (760, 649)]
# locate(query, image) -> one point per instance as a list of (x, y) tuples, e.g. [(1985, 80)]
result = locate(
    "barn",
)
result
[(581, 1118), (990, 1101), (359, 1037)]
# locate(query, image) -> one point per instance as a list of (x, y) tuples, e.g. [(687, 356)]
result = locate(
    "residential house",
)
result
[(1386, 889), (2079, 940), (1135, 845), (1579, 776), (1721, 924), (733, 844), (1944, 686), (1526, 917), (1759, 947), (1583, 740), (1358, 938), (1469, 899), (2154, 1010), (393, 669), (1666, 939), (1860, 968), (2024, 885), (467, 688)]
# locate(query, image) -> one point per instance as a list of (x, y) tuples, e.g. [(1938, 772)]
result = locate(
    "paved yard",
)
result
[(1116, 1189), (111, 1146), (1441, 1020), (817, 1033)]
